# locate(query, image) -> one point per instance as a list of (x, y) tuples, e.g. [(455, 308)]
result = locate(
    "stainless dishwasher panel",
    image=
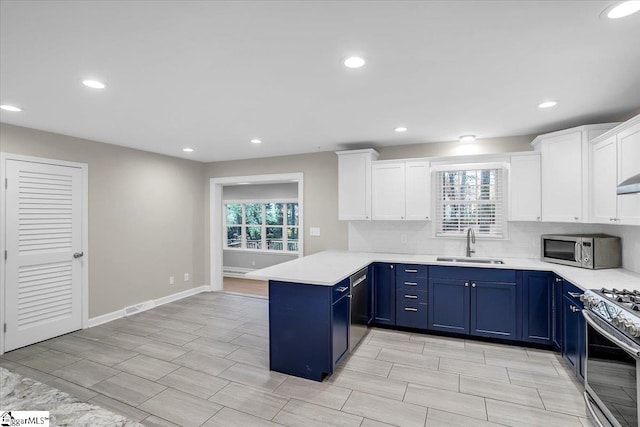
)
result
[(359, 308)]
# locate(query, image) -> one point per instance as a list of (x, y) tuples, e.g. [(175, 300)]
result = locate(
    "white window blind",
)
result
[(470, 198)]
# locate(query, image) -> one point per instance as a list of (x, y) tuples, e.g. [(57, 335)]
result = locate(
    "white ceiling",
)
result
[(213, 75)]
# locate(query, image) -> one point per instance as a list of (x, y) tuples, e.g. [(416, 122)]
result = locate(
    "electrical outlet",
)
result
[(172, 280), (186, 277), (253, 263), (314, 231), (403, 238)]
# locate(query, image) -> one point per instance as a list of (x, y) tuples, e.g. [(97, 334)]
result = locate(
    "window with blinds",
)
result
[(470, 198)]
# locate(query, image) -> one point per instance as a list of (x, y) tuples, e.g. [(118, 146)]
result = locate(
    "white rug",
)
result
[(19, 393)]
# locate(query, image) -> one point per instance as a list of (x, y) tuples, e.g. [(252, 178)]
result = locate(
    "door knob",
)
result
[(78, 255)]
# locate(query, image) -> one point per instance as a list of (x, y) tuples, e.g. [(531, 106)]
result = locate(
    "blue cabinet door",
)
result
[(340, 329), (449, 305), (570, 332), (384, 298), (557, 313), (574, 329), (537, 316), (494, 310)]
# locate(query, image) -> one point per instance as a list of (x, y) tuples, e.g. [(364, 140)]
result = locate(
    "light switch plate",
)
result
[(314, 231)]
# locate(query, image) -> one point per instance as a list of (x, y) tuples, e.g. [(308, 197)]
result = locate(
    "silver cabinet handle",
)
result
[(411, 283), (574, 294), (410, 309), (342, 289), (466, 284), (411, 296), (391, 267), (78, 255), (410, 271), (473, 285)]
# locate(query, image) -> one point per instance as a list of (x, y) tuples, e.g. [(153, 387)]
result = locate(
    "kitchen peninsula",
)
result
[(308, 329)]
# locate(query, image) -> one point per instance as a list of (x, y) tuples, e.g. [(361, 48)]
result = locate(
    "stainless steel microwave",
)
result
[(592, 251)]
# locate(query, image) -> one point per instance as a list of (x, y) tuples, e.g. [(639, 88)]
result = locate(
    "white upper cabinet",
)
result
[(417, 190), (565, 172), (615, 157), (354, 184), (604, 179), (401, 190), (388, 191), (524, 188)]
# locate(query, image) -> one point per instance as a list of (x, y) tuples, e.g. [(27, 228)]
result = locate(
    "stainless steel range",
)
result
[(613, 355)]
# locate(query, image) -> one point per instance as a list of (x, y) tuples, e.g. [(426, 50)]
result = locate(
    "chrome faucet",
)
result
[(471, 238)]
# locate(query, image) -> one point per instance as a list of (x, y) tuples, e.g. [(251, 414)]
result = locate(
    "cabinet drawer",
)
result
[(410, 297), (473, 273), (411, 284), (411, 312), (410, 271), (340, 290)]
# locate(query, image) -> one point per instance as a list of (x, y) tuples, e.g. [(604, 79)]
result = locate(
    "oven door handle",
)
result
[(577, 252), (635, 352)]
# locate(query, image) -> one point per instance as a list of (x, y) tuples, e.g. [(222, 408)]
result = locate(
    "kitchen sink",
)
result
[(471, 260)]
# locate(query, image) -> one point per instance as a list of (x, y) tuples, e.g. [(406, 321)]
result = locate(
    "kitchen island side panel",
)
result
[(300, 329)]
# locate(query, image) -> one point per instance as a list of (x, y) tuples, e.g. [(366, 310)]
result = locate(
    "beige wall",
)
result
[(146, 216), (320, 192)]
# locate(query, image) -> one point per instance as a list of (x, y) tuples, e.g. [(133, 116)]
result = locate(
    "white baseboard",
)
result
[(144, 306)]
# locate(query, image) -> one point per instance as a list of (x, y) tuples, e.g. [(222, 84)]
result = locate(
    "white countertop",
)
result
[(330, 267)]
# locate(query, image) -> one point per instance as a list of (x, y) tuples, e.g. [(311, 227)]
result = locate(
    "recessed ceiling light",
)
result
[(354, 62), (187, 150), (547, 104), (94, 84), (256, 141), (623, 9), (467, 138), (12, 108), (400, 129)]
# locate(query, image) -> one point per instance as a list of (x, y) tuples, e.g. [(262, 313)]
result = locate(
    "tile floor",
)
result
[(204, 361)]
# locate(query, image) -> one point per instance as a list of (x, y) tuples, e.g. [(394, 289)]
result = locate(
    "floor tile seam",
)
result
[(465, 394), (474, 376), (311, 403), (127, 403), (200, 370), (122, 361), (544, 410), (415, 405), (119, 401)]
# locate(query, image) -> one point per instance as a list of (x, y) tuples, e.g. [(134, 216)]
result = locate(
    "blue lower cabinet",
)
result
[(494, 310), (308, 328), (384, 293), (474, 301), (537, 307), (574, 329), (340, 328), (411, 308), (449, 302)]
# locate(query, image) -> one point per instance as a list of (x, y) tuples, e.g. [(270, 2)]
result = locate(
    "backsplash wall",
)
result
[(523, 240)]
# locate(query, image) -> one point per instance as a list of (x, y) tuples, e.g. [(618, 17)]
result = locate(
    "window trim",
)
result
[(263, 226), (503, 166)]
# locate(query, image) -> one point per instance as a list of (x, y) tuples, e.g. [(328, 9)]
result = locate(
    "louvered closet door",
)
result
[(43, 231)]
